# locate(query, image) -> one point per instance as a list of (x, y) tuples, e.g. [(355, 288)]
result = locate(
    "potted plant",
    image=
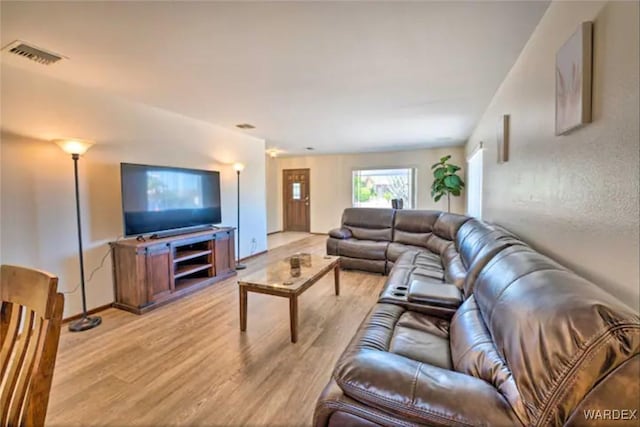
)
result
[(446, 181)]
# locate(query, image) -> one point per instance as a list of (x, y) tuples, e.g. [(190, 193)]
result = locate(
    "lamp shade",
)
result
[(74, 146), (238, 167)]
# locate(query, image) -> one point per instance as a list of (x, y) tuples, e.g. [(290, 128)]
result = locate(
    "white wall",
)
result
[(38, 207), (331, 182), (573, 197), (273, 223)]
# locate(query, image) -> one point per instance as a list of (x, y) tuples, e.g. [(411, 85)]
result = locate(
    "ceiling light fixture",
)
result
[(273, 152), (245, 126)]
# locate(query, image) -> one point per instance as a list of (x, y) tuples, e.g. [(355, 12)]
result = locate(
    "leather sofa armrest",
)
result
[(436, 294), (420, 392), (340, 233)]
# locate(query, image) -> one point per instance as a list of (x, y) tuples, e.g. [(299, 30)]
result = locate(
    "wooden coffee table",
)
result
[(280, 280)]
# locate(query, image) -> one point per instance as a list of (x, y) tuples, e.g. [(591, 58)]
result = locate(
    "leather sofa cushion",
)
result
[(414, 227), (448, 225), (422, 338), (335, 409), (395, 250), (424, 259), (427, 274), (364, 249), (474, 353), (340, 233), (437, 244), (442, 295), (411, 239), (576, 332), (432, 230), (470, 239), (372, 265), (393, 329), (483, 256), (332, 246), (412, 391), (454, 270), (379, 234), (474, 235), (369, 223), (416, 221), (368, 217)]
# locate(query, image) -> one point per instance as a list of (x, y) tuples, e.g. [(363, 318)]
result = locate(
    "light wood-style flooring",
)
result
[(188, 364), (285, 237)]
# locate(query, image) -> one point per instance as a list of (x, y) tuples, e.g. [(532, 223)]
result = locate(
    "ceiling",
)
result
[(335, 76)]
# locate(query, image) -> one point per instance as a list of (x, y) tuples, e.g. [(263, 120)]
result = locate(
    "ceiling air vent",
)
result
[(33, 53), (245, 126)]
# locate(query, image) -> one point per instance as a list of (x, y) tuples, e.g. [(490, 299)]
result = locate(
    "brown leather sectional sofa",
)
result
[(474, 327)]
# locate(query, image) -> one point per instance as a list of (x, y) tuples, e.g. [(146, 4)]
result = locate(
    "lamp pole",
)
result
[(75, 158), (76, 148), (239, 167)]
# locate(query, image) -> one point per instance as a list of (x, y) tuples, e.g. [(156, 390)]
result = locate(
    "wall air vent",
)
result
[(33, 53)]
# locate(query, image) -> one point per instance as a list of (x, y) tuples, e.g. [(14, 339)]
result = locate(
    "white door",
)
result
[(474, 184)]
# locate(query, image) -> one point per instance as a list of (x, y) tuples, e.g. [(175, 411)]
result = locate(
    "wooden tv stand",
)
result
[(153, 272)]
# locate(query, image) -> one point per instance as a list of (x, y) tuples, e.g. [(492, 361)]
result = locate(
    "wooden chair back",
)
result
[(30, 320)]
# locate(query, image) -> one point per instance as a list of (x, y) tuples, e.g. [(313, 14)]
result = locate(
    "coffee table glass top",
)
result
[(280, 274)]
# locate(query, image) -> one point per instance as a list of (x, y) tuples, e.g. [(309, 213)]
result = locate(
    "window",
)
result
[(296, 191), (376, 188)]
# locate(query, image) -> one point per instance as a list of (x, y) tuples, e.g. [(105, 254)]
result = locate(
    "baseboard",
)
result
[(92, 311), (319, 234), (274, 232), (252, 256)]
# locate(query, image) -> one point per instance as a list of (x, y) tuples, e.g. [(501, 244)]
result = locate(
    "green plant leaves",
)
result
[(446, 181), (439, 173), (452, 168), (452, 181)]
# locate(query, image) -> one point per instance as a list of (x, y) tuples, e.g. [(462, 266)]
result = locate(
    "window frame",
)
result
[(413, 183)]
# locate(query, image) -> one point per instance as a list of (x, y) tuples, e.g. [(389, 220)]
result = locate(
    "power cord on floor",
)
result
[(95, 270)]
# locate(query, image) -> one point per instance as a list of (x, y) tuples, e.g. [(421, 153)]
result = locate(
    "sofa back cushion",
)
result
[(555, 334), (478, 242), (433, 230), (473, 352), (369, 223), (448, 224), (414, 227), (470, 238)]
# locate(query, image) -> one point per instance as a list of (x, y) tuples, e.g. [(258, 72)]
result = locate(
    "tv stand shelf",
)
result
[(150, 273), (187, 255), (185, 270)]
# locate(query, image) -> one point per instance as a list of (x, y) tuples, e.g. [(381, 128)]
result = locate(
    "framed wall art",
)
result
[(503, 138), (573, 80)]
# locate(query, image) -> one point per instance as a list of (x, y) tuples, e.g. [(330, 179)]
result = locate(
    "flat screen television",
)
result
[(158, 199)]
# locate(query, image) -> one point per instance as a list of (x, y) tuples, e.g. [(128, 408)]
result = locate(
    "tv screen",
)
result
[(158, 198)]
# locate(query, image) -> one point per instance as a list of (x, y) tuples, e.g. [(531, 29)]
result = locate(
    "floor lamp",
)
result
[(77, 147), (239, 167)]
